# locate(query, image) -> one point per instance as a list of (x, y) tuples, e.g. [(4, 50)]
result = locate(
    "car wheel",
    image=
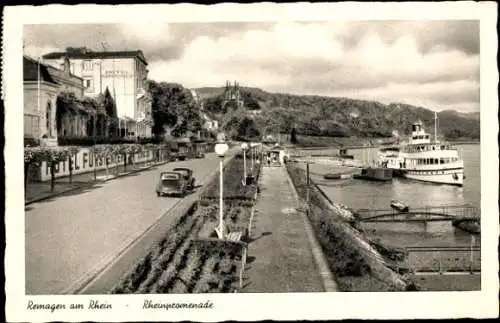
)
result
[(158, 194)]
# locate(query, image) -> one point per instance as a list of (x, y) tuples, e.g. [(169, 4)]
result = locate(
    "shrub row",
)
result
[(90, 141)]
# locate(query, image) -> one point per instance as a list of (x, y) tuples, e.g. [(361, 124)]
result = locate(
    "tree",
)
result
[(109, 106), (71, 152), (78, 50), (32, 157), (53, 156), (174, 107), (293, 136), (247, 129), (231, 120)]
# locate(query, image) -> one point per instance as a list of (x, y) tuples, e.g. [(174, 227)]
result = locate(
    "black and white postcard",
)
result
[(298, 161)]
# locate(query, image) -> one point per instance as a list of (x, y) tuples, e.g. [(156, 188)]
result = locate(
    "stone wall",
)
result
[(326, 214)]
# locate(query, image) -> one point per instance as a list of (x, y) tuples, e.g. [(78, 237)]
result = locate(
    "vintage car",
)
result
[(188, 176), (172, 183), (199, 154)]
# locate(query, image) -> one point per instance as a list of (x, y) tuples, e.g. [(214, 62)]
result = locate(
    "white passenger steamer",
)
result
[(425, 159)]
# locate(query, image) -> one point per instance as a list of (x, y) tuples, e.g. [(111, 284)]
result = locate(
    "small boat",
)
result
[(337, 176), (375, 174), (473, 227), (398, 205)]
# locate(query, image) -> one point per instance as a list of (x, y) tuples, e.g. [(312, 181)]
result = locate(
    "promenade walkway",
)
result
[(37, 191), (280, 257)]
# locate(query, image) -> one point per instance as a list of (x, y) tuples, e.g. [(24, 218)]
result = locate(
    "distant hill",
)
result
[(340, 117), (207, 92), (469, 115)]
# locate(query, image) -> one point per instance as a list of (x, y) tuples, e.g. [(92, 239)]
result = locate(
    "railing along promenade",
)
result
[(444, 260)]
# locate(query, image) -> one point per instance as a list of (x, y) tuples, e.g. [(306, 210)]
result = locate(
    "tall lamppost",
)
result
[(94, 139), (244, 147), (221, 149), (252, 148)]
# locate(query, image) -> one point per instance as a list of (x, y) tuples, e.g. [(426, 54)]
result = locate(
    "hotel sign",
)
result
[(83, 162)]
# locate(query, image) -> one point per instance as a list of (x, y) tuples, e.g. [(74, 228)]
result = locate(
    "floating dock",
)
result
[(375, 174)]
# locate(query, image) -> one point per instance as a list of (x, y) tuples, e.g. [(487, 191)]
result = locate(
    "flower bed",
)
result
[(184, 263), (181, 263), (233, 182), (352, 268)]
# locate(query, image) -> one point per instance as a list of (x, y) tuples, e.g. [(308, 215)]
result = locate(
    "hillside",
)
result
[(470, 115), (340, 117)]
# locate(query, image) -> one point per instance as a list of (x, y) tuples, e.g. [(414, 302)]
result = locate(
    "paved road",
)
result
[(68, 236)]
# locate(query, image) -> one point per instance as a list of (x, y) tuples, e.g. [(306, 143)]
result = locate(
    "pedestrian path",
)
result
[(280, 258)]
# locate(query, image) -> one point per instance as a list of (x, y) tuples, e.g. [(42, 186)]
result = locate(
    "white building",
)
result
[(124, 74), (195, 95), (208, 123)]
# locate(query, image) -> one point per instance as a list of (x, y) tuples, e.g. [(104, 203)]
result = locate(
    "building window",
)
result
[(88, 83), (88, 65)]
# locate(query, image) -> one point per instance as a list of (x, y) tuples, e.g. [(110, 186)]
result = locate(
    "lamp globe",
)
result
[(221, 149)]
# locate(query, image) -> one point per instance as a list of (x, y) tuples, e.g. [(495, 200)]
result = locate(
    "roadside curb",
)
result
[(95, 181), (329, 283), (250, 224), (52, 195)]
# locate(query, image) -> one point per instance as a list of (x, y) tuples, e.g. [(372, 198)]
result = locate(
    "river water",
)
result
[(359, 194)]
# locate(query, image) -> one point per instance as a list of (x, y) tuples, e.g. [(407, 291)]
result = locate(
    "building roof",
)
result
[(96, 55), (30, 71), (58, 72)]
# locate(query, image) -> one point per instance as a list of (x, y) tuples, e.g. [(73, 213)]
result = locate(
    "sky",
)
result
[(433, 64)]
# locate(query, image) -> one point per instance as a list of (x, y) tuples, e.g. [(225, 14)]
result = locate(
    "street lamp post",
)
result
[(244, 147), (94, 137), (221, 149), (308, 188), (252, 150)]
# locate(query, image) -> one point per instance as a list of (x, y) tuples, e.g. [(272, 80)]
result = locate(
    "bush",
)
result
[(31, 142)]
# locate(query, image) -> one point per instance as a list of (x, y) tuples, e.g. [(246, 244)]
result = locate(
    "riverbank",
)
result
[(311, 142), (356, 265)]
